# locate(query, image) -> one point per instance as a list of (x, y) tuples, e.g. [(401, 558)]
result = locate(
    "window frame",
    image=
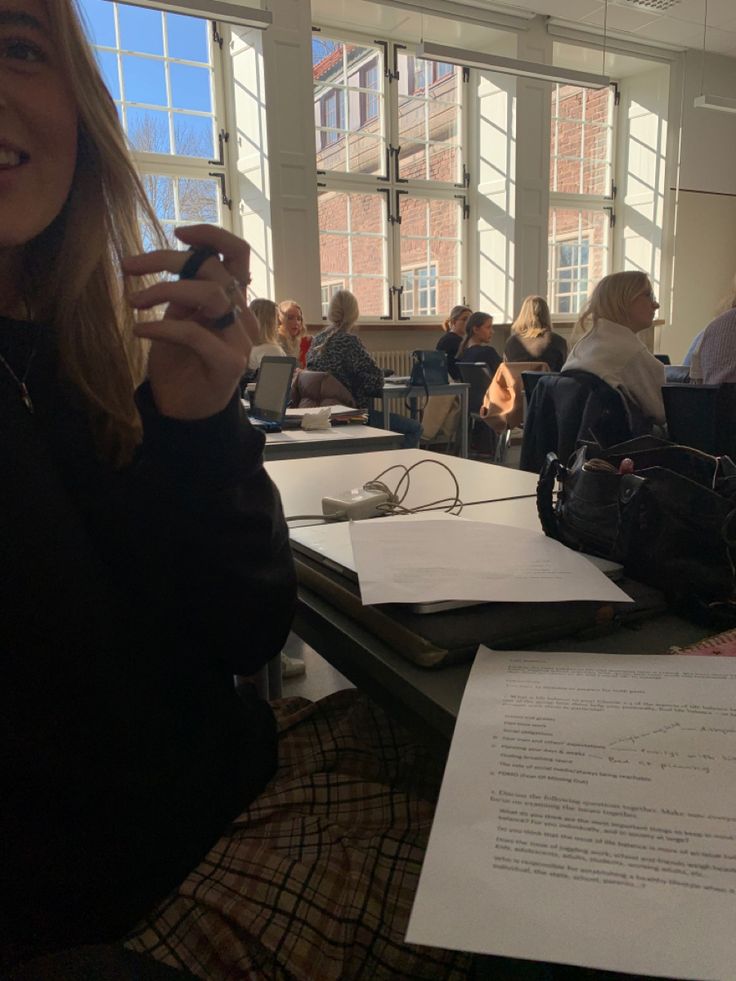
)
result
[(578, 201), (219, 169), (388, 184)]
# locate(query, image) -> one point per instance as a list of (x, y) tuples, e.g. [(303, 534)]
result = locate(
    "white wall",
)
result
[(704, 259)]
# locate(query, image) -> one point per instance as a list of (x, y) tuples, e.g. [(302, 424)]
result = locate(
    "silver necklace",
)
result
[(25, 395)]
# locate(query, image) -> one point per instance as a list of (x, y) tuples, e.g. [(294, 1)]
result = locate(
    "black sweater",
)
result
[(128, 600)]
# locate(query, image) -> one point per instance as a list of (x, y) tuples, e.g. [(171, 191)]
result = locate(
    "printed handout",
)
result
[(430, 558), (588, 815)]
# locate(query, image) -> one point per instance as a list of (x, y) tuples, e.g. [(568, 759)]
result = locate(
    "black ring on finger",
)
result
[(224, 321), (196, 258)]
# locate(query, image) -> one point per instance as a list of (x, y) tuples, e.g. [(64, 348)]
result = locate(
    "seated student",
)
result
[(475, 346), (148, 560), (293, 336), (620, 306), (340, 352), (715, 360), (267, 317), (454, 328), (532, 337)]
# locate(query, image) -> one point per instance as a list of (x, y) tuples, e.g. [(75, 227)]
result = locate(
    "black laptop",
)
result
[(269, 401)]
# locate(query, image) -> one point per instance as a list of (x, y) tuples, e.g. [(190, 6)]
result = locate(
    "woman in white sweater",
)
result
[(620, 306)]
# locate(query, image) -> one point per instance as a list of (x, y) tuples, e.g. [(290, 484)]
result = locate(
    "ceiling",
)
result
[(675, 23)]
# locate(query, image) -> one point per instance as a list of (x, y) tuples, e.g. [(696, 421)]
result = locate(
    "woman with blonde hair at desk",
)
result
[(532, 337), (143, 798), (267, 317), (620, 307), (292, 332), (340, 352)]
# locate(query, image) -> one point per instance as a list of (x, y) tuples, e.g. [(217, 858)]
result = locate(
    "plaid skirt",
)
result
[(315, 880)]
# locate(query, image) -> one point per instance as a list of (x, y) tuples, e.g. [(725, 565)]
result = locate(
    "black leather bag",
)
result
[(429, 368), (669, 516)]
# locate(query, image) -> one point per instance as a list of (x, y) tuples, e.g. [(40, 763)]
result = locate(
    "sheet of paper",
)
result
[(588, 815), (417, 559), (335, 410)]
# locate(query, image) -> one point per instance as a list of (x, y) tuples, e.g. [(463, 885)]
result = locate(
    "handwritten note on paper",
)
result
[(588, 815), (415, 560)]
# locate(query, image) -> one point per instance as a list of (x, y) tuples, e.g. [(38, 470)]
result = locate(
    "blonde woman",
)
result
[(532, 337), (620, 307), (340, 352), (149, 552), (150, 562), (293, 336), (267, 317), (454, 331)]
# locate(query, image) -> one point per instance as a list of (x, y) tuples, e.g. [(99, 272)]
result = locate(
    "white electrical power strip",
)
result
[(352, 505)]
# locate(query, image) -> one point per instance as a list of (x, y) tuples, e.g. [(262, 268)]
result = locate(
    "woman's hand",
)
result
[(194, 366)]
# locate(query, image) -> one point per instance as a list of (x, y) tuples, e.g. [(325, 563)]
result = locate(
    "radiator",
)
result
[(400, 363)]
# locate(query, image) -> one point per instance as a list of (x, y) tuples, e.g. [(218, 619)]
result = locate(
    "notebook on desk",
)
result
[(451, 637), (271, 395), (330, 545)]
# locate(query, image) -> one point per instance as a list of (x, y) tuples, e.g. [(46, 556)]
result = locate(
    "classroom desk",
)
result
[(415, 392), (303, 483), (428, 701), (293, 444)]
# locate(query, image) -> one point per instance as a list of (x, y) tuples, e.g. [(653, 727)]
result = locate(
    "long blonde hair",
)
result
[(534, 319), (267, 314), (291, 345), (610, 300), (342, 316), (454, 314), (71, 270)]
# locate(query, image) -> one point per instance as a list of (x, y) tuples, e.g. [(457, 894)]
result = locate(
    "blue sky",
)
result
[(142, 33)]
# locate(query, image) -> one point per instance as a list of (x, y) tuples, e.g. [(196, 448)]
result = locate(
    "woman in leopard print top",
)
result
[(342, 354)]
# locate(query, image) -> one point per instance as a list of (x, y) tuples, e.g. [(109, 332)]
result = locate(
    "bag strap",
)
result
[(418, 363), (551, 472)]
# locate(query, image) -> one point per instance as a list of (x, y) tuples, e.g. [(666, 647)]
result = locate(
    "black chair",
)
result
[(477, 375), (566, 408), (702, 416), (529, 380), (664, 358)]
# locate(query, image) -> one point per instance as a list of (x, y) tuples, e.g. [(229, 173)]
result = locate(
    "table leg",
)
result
[(464, 419)]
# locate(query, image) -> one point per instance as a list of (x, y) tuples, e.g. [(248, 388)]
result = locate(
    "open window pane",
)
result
[(430, 120), (581, 143), (353, 243), (348, 106), (579, 255)]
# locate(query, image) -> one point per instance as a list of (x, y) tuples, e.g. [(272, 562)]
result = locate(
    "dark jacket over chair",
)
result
[(570, 407), (313, 388)]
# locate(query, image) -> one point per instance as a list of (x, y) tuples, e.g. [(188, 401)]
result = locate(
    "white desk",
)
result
[(415, 392), (292, 444), (429, 700), (303, 483)]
